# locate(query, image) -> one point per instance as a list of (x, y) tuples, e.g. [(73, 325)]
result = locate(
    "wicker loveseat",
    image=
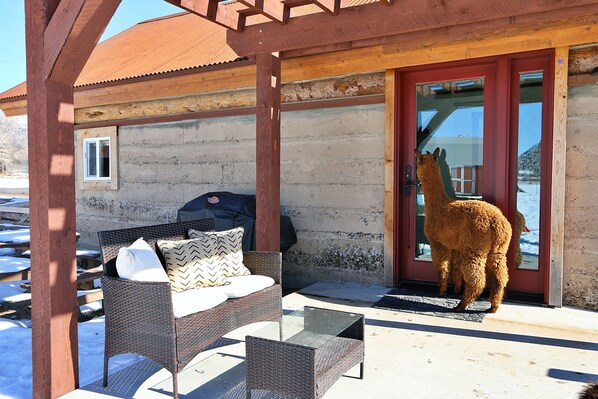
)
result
[(139, 315)]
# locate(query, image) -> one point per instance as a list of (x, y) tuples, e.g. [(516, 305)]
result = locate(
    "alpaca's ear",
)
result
[(418, 155), (436, 153)]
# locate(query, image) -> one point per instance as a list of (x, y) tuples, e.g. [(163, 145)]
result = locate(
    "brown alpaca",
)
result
[(473, 235)]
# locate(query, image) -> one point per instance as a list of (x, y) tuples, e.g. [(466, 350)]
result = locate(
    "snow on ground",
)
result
[(15, 350), (14, 182), (15, 335), (528, 203), (15, 236)]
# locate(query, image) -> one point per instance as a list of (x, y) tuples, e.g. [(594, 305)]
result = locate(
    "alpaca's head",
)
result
[(427, 164)]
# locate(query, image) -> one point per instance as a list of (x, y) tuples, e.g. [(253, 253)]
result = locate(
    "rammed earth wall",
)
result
[(332, 176), (580, 280)]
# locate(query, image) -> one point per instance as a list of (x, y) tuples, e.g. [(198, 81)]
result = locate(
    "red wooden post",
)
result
[(52, 215), (61, 35), (268, 152)]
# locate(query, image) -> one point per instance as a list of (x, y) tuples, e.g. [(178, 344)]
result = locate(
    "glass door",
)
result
[(448, 110), (491, 121)]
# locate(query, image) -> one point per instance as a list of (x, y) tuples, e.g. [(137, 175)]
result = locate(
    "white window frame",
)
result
[(86, 154), (83, 138)]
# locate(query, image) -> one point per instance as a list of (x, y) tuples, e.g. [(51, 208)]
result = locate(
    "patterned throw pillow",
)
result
[(192, 263), (230, 249)]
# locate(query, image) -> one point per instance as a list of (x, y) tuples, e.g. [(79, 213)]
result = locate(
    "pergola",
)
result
[(61, 35)]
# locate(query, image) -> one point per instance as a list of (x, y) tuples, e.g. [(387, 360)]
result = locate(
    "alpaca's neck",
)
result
[(434, 193)]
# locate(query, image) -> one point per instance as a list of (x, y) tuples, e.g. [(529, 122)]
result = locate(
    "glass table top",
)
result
[(311, 326)]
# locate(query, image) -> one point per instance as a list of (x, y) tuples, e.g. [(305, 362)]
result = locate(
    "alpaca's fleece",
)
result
[(470, 236)]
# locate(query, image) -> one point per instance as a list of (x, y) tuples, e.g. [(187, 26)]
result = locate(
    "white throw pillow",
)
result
[(139, 262), (192, 263), (229, 249)]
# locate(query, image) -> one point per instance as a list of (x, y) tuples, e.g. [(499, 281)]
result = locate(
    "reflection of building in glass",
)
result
[(462, 158), (467, 179)]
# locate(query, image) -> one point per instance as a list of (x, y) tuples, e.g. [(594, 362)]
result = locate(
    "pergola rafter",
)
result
[(273, 9), (214, 11)]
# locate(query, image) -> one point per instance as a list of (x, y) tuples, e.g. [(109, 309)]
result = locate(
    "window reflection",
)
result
[(527, 229)]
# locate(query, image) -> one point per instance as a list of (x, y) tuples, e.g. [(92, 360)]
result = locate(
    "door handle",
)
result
[(408, 181)]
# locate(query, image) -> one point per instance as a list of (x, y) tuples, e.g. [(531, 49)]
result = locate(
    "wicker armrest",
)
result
[(133, 303), (265, 264)]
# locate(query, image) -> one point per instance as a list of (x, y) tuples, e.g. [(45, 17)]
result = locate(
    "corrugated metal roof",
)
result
[(170, 43)]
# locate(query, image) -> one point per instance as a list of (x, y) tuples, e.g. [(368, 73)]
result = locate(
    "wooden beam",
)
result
[(374, 20), (330, 6), (72, 34), (268, 152), (223, 113), (557, 201), (273, 9), (214, 11), (324, 89), (350, 61)]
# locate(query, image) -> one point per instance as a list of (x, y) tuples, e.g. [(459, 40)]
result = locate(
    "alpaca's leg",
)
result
[(456, 273), (474, 275), (441, 258), (498, 276)]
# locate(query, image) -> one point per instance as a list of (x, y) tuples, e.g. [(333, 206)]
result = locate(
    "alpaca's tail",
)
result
[(502, 235)]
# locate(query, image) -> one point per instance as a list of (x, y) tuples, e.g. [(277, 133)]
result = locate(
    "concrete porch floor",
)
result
[(520, 352)]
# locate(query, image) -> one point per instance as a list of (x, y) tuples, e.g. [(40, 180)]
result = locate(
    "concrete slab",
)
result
[(520, 352)]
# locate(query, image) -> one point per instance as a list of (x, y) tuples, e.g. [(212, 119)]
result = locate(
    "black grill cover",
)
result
[(233, 210)]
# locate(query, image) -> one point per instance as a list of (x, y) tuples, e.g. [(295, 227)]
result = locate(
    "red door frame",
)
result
[(500, 107), (535, 62)]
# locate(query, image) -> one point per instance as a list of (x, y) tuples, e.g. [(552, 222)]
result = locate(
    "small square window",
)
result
[(96, 155), (97, 168)]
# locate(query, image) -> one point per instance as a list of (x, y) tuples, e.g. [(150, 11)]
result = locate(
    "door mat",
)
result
[(429, 303)]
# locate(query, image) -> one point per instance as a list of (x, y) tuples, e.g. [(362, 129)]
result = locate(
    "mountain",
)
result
[(13, 144), (529, 162)]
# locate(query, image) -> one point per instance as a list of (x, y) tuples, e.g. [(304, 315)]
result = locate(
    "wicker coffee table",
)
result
[(306, 354)]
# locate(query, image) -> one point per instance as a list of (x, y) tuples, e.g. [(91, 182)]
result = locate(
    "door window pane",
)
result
[(450, 116), (527, 228)]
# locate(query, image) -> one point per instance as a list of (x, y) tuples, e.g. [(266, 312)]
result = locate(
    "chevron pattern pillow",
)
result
[(230, 249), (192, 263)]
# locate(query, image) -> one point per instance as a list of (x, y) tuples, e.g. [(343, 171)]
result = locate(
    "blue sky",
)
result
[(12, 32)]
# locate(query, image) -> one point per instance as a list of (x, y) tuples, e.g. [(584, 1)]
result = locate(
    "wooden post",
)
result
[(52, 214), (557, 202), (60, 36), (268, 152)]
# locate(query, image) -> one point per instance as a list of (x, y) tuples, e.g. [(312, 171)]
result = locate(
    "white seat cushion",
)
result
[(196, 300), (240, 286), (139, 262)]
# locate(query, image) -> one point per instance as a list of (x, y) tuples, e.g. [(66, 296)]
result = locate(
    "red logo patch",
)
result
[(213, 200)]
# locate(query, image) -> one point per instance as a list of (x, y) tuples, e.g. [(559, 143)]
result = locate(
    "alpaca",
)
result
[(473, 235)]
